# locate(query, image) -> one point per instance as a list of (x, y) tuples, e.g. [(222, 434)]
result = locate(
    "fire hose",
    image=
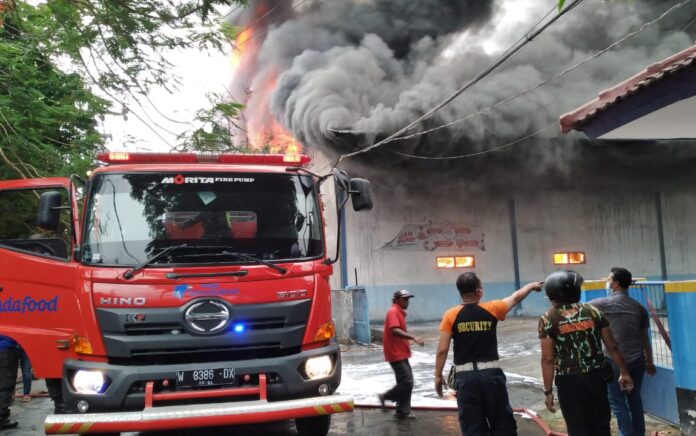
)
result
[(529, 414), (524, 412)]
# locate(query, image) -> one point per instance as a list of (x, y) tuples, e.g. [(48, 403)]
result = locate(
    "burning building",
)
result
[(339, 75)]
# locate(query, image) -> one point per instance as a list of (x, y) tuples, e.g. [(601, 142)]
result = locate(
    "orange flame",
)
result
[(256, 83)]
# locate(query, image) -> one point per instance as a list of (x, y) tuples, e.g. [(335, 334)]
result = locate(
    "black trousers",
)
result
[(401, 393), (584, 403), (9, 363), (483, 403), (55, 391)]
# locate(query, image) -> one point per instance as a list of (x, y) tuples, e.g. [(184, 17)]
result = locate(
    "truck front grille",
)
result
[(161, 336)]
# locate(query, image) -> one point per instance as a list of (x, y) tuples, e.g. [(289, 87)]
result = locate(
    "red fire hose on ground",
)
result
[(530, 414), (525, 412)]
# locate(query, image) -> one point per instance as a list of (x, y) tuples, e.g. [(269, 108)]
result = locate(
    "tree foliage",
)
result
[(64, 64)]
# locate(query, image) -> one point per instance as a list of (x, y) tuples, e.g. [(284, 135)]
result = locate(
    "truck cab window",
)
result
[(130, 217), (19, 230)]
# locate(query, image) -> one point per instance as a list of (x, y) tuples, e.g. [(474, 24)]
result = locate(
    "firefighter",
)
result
[(9, 360), (571, 336)]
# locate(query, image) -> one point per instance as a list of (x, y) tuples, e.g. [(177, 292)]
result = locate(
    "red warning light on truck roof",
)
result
[(124, 157)]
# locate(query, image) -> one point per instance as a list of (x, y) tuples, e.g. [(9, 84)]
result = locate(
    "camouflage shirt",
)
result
[(575, 330)]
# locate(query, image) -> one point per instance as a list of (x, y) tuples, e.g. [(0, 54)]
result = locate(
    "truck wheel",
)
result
[(316, 426)]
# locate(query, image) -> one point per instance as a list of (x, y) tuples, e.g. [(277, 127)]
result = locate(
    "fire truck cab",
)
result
[(176, 291)]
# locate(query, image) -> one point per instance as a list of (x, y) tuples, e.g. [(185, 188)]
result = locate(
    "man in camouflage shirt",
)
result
[(571, 336)]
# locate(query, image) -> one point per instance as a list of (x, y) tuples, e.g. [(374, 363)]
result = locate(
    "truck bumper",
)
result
[(121, 395), (200, 415)]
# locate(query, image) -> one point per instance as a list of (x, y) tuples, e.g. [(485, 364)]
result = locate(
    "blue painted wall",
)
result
[(681, 307), (659, 395)]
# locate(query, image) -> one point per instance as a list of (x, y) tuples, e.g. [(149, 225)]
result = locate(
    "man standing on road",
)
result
[(629, 324), (482, 397), (397, 351), (9, 361), (571, 334)]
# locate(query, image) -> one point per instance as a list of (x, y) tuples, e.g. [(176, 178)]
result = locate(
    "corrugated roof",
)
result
[(609, 97)]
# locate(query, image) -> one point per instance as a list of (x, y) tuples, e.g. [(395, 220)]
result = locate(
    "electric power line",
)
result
[(550, 79), (265, 29), (486, 71), (478, 153)]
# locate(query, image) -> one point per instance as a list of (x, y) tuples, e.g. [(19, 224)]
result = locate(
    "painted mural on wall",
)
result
[(431, 236)]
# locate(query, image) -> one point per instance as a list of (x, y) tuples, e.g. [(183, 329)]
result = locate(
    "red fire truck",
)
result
[(176, 291)]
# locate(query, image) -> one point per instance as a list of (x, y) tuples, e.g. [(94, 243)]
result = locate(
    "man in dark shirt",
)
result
[(482, 398), (629, 325), (397, 351), (9, 360)]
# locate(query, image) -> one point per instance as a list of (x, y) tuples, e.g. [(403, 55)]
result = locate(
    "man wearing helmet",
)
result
[(482, 398), (571, 336)]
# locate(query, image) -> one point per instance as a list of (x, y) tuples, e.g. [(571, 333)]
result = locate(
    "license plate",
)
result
[(204, 377)]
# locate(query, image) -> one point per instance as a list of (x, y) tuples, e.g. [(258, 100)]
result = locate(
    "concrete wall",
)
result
[(612, 230), (342, 313)]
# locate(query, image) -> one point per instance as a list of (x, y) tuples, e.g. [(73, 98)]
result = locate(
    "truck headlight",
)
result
[(89, 382), (318, 367)]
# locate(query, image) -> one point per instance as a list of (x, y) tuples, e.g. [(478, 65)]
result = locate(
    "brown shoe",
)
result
[(26, 398)]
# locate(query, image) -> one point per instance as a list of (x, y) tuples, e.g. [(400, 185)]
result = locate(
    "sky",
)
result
[(200, 73)]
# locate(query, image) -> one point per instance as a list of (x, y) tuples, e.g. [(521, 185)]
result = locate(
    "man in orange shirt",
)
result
[(397, 351), (482, 398)]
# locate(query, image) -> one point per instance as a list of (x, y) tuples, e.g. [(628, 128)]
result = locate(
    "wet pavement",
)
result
[(365, 374)]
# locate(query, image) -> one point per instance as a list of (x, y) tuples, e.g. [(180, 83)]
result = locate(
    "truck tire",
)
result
[(316, 426)]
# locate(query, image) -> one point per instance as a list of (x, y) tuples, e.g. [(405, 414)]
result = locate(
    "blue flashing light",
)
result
[(239, 328)]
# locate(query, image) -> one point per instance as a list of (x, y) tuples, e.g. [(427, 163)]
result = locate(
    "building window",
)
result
[(569, 258), (446, 262)]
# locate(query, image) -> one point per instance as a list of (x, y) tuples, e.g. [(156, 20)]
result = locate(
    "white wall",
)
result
[(613, 229)]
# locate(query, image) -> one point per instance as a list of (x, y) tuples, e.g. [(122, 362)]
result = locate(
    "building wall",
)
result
[(611, 229)]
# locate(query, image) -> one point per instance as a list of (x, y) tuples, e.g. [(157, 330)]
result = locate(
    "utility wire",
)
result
[(248, 26), (486, 71), (478, 153), (550, 79), (265, 29)]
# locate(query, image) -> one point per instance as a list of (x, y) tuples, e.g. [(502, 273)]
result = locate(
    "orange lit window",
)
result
[(464, 262), (455, 262), (577, 257), (445, 262), (569, 258)]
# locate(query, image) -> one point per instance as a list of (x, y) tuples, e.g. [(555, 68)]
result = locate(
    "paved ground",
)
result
[(365, 374)]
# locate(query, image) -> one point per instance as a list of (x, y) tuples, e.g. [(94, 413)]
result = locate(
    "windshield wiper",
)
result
[(224, 252), (129, 273)]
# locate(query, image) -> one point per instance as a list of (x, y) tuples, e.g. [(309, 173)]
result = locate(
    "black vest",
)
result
[(474, 335)]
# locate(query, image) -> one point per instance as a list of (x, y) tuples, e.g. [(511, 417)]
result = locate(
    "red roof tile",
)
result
[(608, 97)]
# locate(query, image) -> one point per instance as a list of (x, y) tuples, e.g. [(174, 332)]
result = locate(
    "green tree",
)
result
[(64, 64)]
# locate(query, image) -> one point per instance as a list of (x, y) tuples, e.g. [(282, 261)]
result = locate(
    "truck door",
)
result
[(39, 288)]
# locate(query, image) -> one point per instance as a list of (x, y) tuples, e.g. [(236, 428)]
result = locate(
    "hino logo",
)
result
[(207, 317), (122, 301)]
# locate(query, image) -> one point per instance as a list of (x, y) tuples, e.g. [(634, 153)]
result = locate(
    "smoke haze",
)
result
[(369, 67)]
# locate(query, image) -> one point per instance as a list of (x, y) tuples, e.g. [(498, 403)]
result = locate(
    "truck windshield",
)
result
[(131, 217)]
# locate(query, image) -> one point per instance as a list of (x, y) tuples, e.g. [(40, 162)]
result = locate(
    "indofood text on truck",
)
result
[(176, 291)]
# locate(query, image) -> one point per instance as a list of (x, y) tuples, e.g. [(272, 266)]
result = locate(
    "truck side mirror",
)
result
[(49, 210), (361, 194)]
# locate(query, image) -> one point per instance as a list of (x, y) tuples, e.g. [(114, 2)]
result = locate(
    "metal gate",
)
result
[(658, 392), (361, 317), (653, 297)]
